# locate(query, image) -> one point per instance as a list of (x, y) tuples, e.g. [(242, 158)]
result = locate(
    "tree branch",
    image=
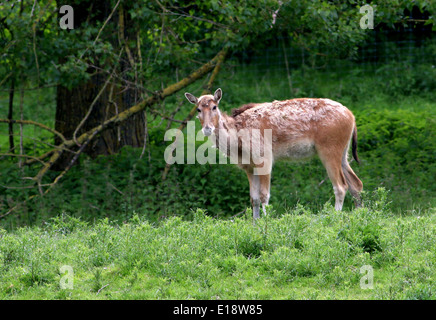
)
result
[(37, 124), (88, 136)]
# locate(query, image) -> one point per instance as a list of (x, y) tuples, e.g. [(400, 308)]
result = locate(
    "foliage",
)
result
[(170, 35), (310, 256), (129, 235), (393, 104), (395, 144), (166, 34)]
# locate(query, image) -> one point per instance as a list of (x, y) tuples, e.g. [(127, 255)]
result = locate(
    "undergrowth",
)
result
[(298, 255)]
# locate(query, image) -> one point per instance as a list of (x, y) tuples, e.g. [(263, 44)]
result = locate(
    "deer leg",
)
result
[(337, 178), (355, 186), (339, 186), (265, 183), (254, 193)]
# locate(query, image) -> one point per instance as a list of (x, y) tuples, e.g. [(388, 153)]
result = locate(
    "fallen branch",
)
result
[(88, 136), (37, 124), (42, 157), (76, 156), (156, 97), (35, 159), (167, 118)]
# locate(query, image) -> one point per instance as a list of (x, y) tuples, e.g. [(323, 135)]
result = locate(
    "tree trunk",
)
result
[(73, 105), (11, 116)]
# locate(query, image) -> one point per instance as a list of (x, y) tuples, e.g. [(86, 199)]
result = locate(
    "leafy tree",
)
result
[(123, 54)]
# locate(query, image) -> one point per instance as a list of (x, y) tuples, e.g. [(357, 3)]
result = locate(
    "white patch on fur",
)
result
[(255, 188), (205, 96), (297, 150), (339, 198)]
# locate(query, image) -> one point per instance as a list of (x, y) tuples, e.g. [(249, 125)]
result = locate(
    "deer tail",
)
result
[(354, 145)]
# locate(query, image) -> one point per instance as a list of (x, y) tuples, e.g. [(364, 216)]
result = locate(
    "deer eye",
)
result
[(198, 109), (214, 108)]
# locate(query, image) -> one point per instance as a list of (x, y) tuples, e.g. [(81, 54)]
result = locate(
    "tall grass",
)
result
[(298, 255)]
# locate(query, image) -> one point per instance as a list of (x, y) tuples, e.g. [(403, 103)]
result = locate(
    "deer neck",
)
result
[(226, 130)]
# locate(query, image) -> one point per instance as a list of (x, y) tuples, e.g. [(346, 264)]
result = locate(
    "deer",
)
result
[(299, 129)]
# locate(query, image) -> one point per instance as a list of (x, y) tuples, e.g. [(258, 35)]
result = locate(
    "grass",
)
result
[(298, 255)]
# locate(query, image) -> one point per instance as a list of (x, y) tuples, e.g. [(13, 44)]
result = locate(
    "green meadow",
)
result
[(369, 253)]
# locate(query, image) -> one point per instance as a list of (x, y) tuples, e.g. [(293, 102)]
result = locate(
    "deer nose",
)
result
[(207, 130)]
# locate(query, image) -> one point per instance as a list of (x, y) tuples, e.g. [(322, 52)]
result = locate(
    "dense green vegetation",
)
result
[(298, 255), (128, 234), (393, 100), (395, 143), (104, 212)]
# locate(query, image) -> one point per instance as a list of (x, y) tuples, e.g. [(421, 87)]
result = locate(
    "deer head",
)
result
[(208, 112)]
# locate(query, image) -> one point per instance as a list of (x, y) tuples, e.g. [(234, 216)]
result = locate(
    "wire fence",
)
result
[(407, 46)]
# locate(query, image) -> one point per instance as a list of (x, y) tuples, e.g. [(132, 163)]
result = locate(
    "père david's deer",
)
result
[(300, 128)]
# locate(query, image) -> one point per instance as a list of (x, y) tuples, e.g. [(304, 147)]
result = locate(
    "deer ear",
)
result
[(217, 95), (191, 98)]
